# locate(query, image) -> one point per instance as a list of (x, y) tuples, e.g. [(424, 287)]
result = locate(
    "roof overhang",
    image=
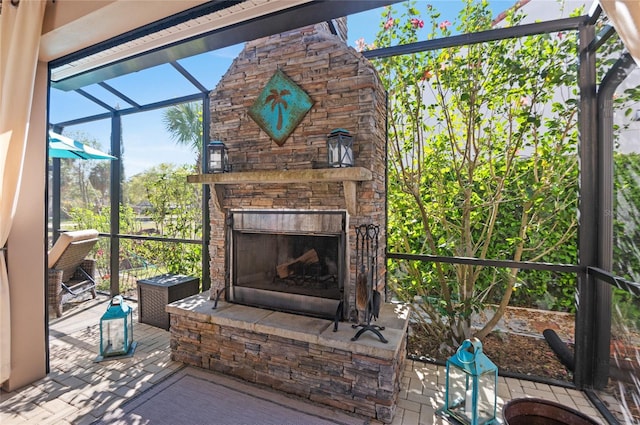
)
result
[(625, 18), (204, 27)]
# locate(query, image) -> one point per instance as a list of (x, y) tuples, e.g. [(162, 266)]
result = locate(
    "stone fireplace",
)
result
[(346, 93), (283, 234)]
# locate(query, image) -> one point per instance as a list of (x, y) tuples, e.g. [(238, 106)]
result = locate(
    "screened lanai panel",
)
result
[(143, 259), (157, 200), (85, 184), (67, 106), (626, 179), (209, 67), (144, 87), (483, 173), (622, 394), (489, 169), (541, 302)]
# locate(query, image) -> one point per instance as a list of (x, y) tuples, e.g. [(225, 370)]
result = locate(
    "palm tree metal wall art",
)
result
[(280, 107), (277, 98)]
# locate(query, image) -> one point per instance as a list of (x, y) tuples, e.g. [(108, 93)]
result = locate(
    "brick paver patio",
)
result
[(79, 391)]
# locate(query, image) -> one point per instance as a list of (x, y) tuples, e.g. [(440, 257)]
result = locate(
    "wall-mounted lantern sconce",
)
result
[(340, 148), (217, 157)]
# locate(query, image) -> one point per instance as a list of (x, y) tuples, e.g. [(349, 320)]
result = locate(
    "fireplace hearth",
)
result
[(298, 355)]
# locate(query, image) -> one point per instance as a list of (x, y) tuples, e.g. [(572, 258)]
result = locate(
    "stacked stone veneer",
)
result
[(346, 92), (297, 355)]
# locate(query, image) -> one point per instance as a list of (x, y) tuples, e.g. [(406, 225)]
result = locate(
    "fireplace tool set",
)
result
[(368, 298)]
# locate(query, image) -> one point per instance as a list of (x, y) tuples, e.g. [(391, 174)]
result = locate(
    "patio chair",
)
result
[(70, 272)]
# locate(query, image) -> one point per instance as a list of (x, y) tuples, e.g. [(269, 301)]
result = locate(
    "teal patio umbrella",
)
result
[(64, 147)]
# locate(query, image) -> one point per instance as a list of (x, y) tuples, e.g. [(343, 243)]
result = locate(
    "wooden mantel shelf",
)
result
[(285, 176), (348, 177)]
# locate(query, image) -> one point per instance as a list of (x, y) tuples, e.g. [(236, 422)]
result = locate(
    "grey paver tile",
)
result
[(73, 382), (397, 418), (573, 392), (69, 395), (581, 401), (36, 415), (519, 394), (153, 368), (411, 417), (61, 416), (86, 419), (566, 400), (513, 384), (419, 398), (11, 418), (415, 385), (546, 395), (559, 390), (503, 390), (56, 405), (527, 384), (429, 416), (125, 392), (409, 405), (589, 411), (159, 376), (542, 387)]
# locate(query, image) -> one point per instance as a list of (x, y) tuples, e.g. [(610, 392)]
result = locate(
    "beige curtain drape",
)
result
[(20, 29)]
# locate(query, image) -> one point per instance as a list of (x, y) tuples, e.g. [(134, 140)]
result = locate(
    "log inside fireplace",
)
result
[(288, 260)]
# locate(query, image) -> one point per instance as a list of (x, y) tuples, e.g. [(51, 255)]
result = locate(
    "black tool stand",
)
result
[(369, 327), (366, 261)]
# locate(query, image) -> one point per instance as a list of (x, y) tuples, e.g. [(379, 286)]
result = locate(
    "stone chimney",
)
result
[(346, 93)]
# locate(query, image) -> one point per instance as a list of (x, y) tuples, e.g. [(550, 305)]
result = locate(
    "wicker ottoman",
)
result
[(158, 291)]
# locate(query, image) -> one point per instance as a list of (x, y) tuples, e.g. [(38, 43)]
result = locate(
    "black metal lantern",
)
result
[(340, 148), (218, 157)]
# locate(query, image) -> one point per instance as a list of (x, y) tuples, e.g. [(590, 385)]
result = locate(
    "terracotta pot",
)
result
[(532, 411)]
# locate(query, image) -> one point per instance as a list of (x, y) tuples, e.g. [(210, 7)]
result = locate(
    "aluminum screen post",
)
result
[(587, 208)]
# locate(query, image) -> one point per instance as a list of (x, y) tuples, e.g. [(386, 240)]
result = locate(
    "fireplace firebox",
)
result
[(288, 260)]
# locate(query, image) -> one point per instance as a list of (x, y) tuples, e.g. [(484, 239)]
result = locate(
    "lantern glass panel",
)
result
[(486, 397), (215, 159), (459, 390), (129, 333), (114, 340)]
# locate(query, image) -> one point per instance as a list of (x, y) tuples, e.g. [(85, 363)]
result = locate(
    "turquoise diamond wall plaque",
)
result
[(280, 107)]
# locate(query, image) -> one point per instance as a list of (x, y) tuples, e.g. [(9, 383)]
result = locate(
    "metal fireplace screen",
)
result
[(291, 261)]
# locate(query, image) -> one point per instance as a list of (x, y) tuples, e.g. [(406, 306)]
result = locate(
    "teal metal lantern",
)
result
[(116, 328), (340, 148), (471, 385)]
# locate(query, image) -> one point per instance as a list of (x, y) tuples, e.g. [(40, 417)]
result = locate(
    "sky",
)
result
[(146, 143)]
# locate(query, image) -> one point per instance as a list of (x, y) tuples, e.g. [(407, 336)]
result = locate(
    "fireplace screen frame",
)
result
[(324, 223)]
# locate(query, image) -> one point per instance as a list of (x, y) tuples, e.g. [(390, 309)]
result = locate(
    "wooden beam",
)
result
[(284, 176), (348, 176)]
